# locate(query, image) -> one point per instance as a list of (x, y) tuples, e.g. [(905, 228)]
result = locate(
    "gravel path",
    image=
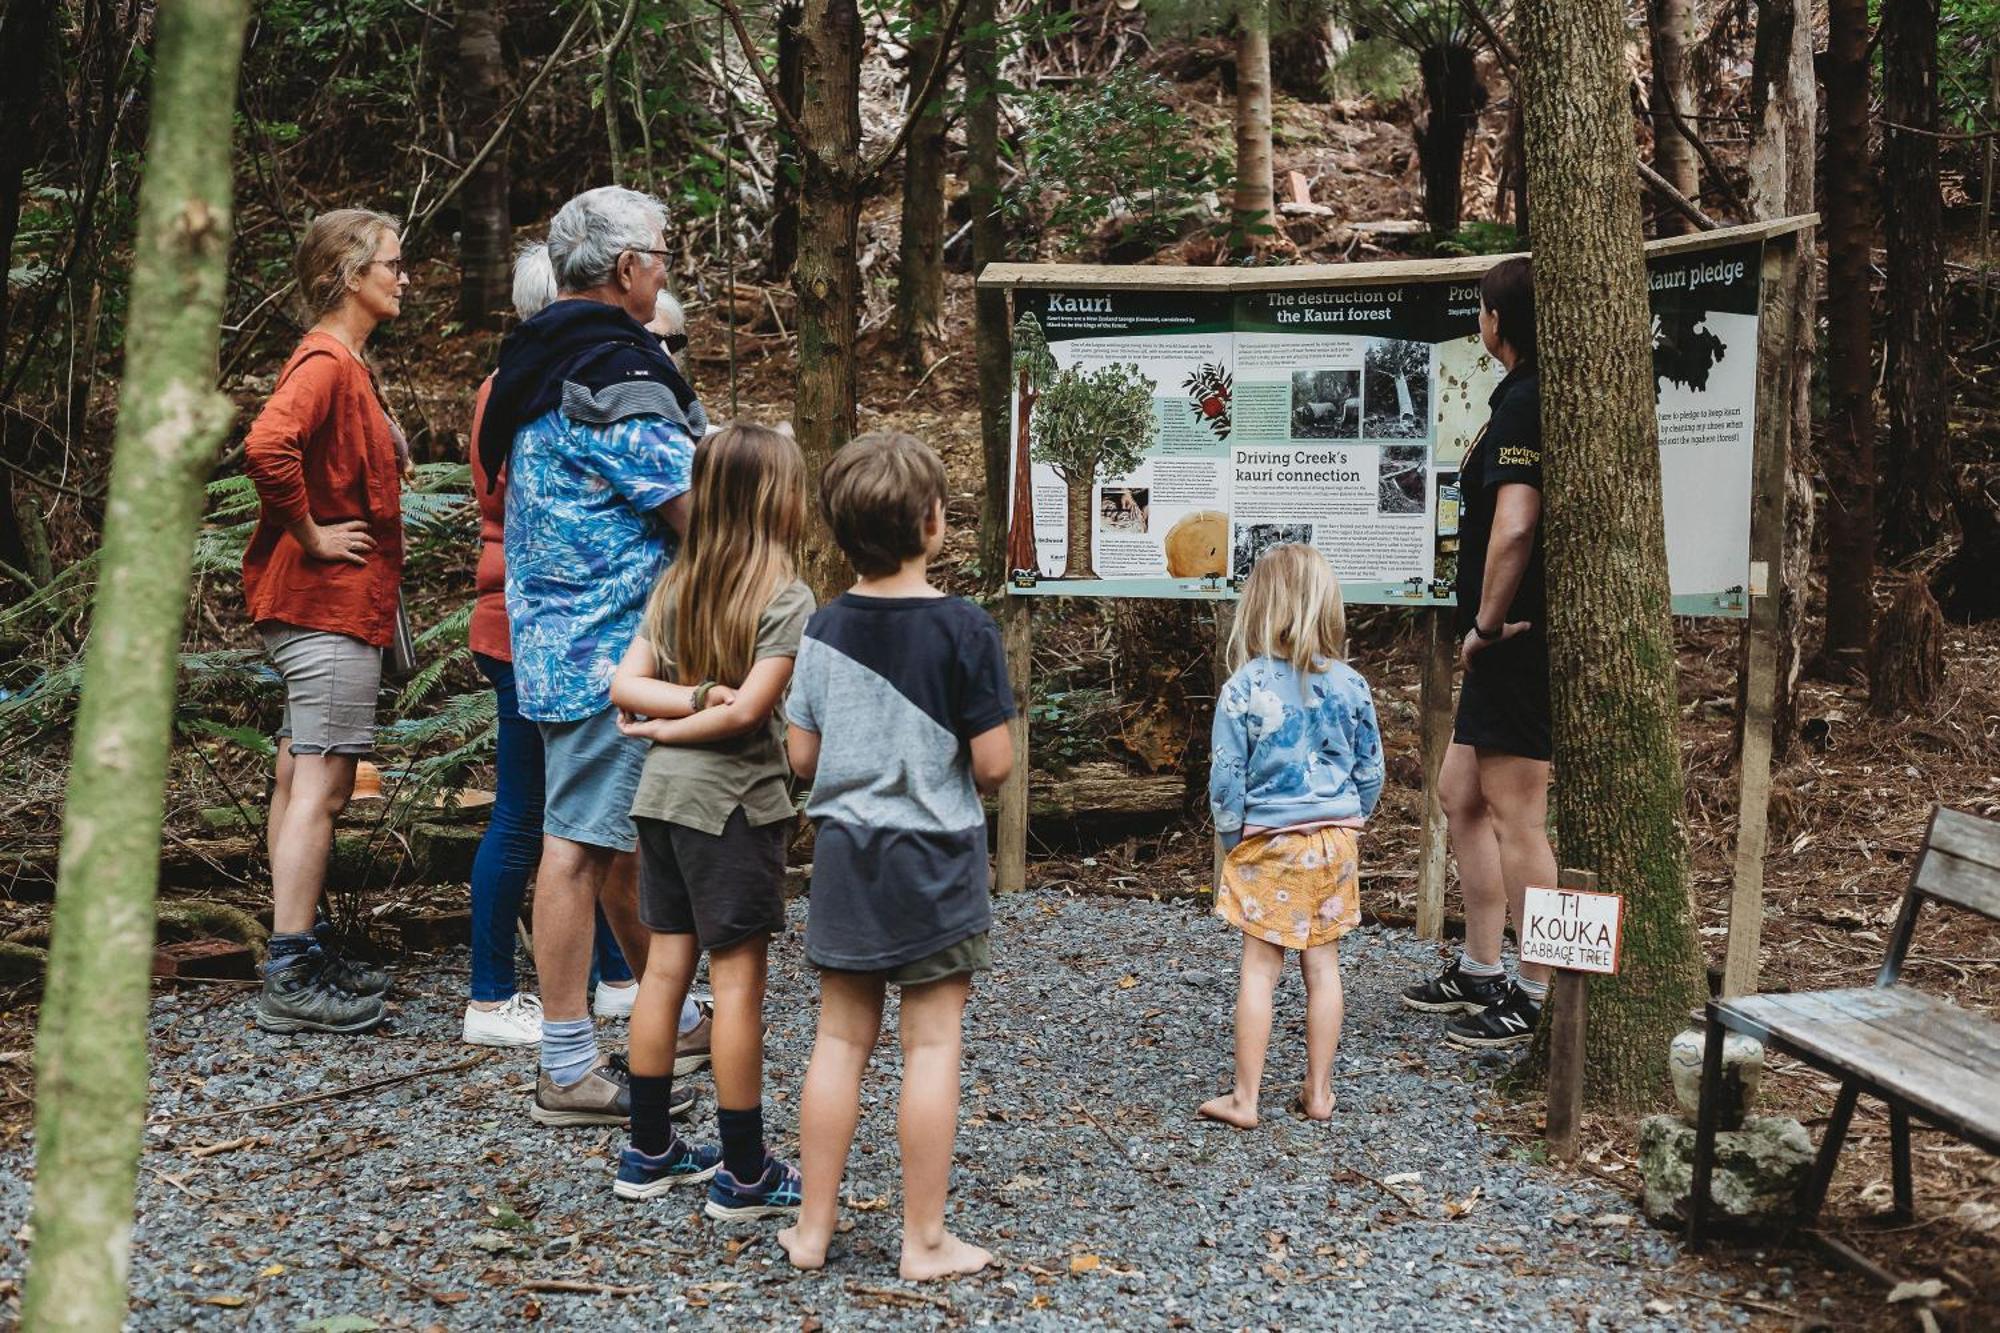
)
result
[(435, 1201)]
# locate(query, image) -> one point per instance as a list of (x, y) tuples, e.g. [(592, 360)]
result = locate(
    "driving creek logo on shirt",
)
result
[(1514, 455)]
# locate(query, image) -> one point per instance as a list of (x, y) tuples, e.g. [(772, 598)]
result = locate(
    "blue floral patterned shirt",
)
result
[(584, 545), (1290, 750)]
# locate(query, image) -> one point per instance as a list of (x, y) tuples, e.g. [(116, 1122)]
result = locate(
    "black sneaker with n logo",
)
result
[(1510, 1022), (1453, 991)]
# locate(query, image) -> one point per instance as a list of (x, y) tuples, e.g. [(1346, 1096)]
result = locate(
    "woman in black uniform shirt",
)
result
[(1495, 781)]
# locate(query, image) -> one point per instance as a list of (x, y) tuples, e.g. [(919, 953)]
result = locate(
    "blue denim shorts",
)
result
[(592, 773)]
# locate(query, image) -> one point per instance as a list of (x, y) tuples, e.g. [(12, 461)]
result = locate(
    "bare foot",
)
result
[(802, 1252), (1314, 1108), (950, 1257), (1230, 1109)]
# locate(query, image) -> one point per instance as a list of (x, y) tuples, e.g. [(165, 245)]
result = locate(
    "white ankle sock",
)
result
[(1537, 991), (1473, 968)]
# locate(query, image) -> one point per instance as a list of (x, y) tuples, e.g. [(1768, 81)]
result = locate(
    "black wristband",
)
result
[(1484, 637)]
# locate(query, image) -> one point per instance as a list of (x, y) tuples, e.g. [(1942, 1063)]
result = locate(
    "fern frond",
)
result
[(455, 625), (428, 678)]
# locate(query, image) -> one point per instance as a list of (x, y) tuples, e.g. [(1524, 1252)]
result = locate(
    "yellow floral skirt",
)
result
[(1295, 890)]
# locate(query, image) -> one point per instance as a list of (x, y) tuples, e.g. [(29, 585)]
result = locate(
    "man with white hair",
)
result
[(595, 429)]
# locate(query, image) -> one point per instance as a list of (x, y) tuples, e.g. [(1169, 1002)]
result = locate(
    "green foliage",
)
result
[(1113, 148), (1474, 238), (1069, 726), (1093, 423), (1968, 42), (1373, 67)]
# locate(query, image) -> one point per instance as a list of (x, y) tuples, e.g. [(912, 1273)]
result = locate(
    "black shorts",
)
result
[(720, 888), (1504, 703)]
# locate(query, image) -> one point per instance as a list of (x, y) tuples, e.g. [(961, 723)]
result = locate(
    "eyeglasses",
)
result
[(676, 343), (395, 266), (662, 255)]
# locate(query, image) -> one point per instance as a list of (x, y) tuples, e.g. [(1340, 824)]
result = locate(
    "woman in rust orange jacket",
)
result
[(321, 579)]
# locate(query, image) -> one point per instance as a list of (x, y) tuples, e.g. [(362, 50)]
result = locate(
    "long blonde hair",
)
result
[(1290, 610), (747, 511)]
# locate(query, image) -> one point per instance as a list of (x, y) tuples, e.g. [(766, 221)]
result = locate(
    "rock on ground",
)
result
[(437, 1202)]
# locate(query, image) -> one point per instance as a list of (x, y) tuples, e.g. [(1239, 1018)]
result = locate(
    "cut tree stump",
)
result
[(1103, 793), (1906, 662)]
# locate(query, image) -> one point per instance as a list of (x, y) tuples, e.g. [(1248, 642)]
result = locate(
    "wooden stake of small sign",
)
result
[(1576, 935)]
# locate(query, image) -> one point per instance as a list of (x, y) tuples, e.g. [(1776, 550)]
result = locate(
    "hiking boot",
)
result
[(601, 1097), (684, 1163), (301, 997), (773, 1194), (691, 1047), (345, 972), (1455, 992), (1508, 1022)]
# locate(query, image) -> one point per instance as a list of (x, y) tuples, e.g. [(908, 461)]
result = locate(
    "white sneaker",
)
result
[(614, 1001), (515, 1023)]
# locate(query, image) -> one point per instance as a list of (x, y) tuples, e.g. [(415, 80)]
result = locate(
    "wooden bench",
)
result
[(1921, 1055)]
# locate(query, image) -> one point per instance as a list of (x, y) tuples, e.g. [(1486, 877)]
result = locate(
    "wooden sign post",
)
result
[(1576, 930)]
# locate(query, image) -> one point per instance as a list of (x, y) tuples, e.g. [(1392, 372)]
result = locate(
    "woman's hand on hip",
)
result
[(348, 541), (1475, 642)]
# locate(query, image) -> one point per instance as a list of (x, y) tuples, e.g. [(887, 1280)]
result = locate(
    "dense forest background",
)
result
[(1116, 129)]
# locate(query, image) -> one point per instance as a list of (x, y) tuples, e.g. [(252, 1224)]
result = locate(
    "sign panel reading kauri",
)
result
[(1576, 931)]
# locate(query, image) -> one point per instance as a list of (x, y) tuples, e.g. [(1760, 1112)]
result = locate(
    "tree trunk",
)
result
[(920, 263), (1917, 464), (1906, 667), (1785, 112), (487, 232), (90, 1057), (1256, 211), (989, 239), (1452, 97), (790, 20), (826, 278), (24, 61), (1076, 565), (1850, 427), (1672, 22), (1619, 801), (1021, 551)]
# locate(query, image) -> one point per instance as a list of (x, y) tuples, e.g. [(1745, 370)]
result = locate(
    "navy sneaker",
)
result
[(774, 1194), (1455, 992), (643, 1177), (1510, 1021)]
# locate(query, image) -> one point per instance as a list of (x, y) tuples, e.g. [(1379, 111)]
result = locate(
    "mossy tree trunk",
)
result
[(90, 1054), (1255, 211), (1784, 104), (825, 279), (1918, 484), (920, 254), (1619, 789), (1850, 376), (989, 239)]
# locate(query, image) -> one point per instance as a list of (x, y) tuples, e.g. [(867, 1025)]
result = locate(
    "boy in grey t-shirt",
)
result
[(898, 711)]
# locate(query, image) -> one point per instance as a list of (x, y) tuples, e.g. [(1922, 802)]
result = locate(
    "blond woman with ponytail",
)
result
[(702, 681), (1296, 771)]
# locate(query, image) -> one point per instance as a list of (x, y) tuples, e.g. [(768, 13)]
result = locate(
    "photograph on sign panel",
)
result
[(1122, 508), (1326, 404), (1401, 469), (1396, 390), (1253, 539)]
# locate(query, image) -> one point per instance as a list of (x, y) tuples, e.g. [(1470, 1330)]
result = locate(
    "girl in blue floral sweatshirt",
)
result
[(1297, 770)]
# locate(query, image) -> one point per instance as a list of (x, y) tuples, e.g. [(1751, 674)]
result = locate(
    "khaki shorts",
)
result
[(971, 954), (331, 683)]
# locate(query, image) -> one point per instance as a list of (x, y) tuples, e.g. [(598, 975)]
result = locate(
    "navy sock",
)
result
[(652, 1129), (284, 950), (742, 1142)]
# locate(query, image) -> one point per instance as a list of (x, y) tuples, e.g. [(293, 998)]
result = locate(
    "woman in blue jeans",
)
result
[(499, 1014)]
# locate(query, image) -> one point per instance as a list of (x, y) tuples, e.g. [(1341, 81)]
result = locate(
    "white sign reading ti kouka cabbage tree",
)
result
[(1569, 929), (1165, 437)]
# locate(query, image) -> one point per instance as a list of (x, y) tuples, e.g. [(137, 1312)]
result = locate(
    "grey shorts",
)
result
[(591, 773), (972, 954), (331, 681)]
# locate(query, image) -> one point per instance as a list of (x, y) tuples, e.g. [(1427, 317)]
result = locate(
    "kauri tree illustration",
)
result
[(1034, 367), (1091, 424)]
